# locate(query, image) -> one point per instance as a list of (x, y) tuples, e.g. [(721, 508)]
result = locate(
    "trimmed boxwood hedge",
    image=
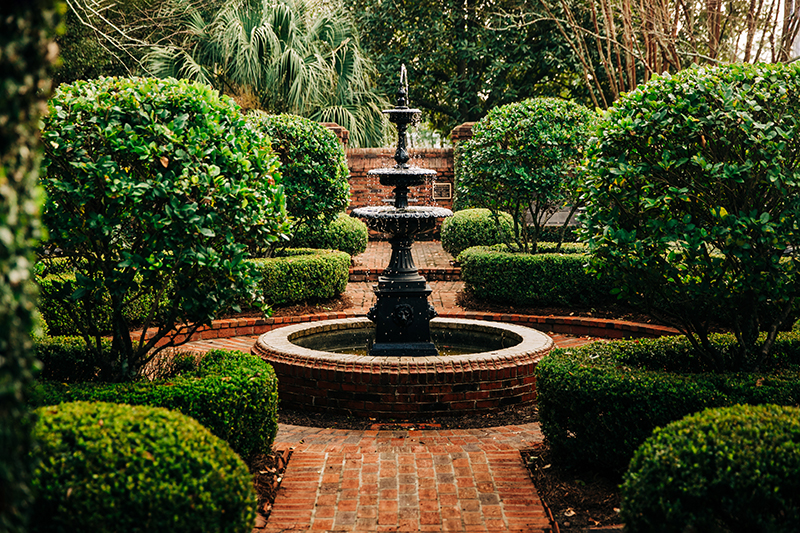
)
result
[(105, 468), (345, 233), (729, 469), (599, 402), (494, 274), (54, 302), (233, 394), (475, 227), (300, 274), (295, 275)]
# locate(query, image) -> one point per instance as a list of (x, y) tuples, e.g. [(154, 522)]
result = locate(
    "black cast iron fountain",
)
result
[(402, 313), (322, 366)]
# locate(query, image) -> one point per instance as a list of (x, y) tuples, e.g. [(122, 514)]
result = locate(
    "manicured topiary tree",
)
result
[(522, 159), (26, 52), (313, 166), (728, 469), (106, 467), (475, 227), (693, 202), (155, 190)]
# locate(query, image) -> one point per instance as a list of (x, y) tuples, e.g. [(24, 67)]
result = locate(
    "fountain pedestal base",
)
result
[(402, 317)]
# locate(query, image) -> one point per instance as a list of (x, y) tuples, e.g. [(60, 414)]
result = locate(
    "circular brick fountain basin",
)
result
[(499, 372)]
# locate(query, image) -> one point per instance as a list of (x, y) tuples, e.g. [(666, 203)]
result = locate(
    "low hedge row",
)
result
[(297, 275), (598, 403), (233, 394), (542, 279), (105, 468), (58, 288), (728, 469), (345, 233), (301, 274)]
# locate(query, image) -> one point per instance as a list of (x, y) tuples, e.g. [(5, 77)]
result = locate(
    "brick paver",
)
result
[(404, 480), (430, 480)]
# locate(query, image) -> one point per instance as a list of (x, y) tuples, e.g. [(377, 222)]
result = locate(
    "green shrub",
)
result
[(497, 275), (56, 306), (233, 394), (156, 188), (522, 159), (729, 469), (693, 200), (26, 54), (105, 467), (302, 274), (313, 165), (598, 403), (475, 227), (345, 233), (66, 359)]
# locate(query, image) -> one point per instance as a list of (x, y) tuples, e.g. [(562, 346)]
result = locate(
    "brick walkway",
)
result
[(431, 480), (404, 480)]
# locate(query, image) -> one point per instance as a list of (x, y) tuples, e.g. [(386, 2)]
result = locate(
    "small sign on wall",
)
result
[(443, 191)]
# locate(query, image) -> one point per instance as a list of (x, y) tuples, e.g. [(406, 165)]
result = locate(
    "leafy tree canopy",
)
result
[(462, 57)]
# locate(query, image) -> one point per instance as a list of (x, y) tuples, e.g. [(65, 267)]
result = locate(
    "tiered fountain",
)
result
[(402, 313), (392, 368)]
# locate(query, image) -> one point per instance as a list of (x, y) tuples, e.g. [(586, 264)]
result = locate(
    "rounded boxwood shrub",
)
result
[(497, 275), (233, 394), (693, 201), (156, 188), (730, 469), (599, 402), (475, 227), (105, 467), (345, 233), (313, 166), (301, 274), (523, 159)]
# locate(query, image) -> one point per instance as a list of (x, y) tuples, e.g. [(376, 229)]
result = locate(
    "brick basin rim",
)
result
[(533, 344)]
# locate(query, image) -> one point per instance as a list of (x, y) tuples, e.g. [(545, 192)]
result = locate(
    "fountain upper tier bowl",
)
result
[(312, 376)]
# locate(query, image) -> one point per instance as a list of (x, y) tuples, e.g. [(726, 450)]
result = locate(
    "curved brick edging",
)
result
[(382, 387), (593, 327)]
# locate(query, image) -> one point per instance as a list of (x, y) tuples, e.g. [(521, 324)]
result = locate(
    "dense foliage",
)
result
[(463, 58), (313, 166), (522, 159), (548, 278), (729, 469), (344, 233), (289, 56), (598, 403), (155, 188), (26, 52), (233, 394), (303, 274), (475, 227), (105, 467), (694, 202)]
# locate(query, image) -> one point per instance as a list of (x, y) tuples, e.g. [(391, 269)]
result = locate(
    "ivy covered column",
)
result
[(26, 51)]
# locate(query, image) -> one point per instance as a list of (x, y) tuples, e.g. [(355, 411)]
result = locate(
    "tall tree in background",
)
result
[(620, 44), (290, 56), (26, 52), (459, 64)]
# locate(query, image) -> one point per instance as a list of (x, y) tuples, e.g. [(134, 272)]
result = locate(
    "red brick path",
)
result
[(405, 480), (430, 480)]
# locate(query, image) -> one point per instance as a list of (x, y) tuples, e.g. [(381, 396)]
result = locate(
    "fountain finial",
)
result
[(402, 91)]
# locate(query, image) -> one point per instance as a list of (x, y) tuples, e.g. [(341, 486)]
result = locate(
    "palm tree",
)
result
[(294, 56)]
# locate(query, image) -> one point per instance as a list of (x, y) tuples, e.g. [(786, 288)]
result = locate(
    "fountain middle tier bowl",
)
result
[(494, 368), (405, 221), (400, 176)]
